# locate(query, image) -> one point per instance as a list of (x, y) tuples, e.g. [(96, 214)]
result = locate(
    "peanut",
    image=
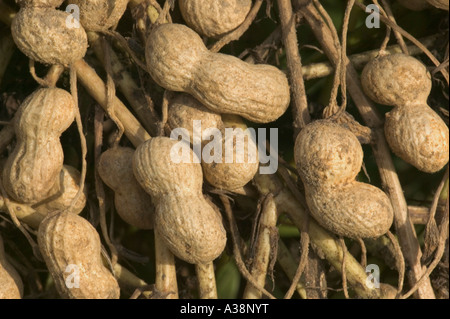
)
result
[(63, 192), (36, 162), (187, 223), (71, 249), (178, 60), (40, 3), (239, 171), (328, 159), (413, 130), (100, 15), (43, 35), (213, 18), (132, 203), (184, 110), (11, 286)]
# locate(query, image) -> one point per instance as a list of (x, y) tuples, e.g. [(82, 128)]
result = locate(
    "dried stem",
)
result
[(344, 275), (206, 281), (99, 189), (166, 276), (399, 261), (398, 36), (304, 243), (239, 31), (236, 251), (264, 248), (443, 236), (288, 264), (128, 281), (143, 107), (363, 253), (405, 231), (97, 89), (294, 64)]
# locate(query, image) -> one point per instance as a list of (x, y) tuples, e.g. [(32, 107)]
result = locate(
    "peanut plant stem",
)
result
[(287, 263), (97, 89), (300, 104), (264, 247), (127, 280), (166, 280), (206, 281), (405, 231), (134, 95)]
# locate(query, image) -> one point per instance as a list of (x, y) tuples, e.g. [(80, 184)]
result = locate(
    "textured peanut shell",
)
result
[(132, 203), (326, 153), (396, 79), (36, 162), (328, 158), (62, 193), (68, 239), (43, 36), (213, 18), (11, 286), (178, 60), (230, 176), (184, 110), (441, 4), (100, 15), (413, 130), (415, 5), (40, 3), (419, 136), (354, 210), (187, 223)]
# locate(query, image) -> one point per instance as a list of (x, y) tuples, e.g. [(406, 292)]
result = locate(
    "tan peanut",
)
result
[(62, 194), (178, 60), (220, 172), (11, 286), (71, 249), (100, 15), (233, 173), (36, 162), (40, 3), (132, 203), (43, 34), (213, 18), (328, 159), (413, 130), (190, 227)]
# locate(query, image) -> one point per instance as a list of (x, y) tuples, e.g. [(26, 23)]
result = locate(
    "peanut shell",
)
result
[(66, 239), (187, 223), (178, 60), (43, 35), (132, 203), (213, 18)]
